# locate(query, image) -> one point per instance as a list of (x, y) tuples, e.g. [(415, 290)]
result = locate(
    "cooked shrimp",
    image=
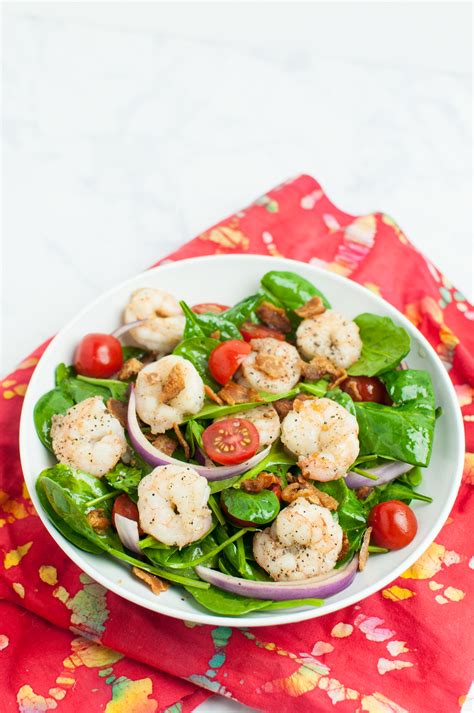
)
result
[(332, 336), (304, 541), (272, 366), (265, 419), (167, 390), (88, 437), (172, 505), (164, 324), (325, 437)]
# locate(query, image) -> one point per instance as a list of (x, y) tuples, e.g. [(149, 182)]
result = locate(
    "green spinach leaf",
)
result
[(384, 345), (257, 508), (52, 403), (290, 289), (405, 430), (203, 325), (118, 389), (126, 478), (197, 350)]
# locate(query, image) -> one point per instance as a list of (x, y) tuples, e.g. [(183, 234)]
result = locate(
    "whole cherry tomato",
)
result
[(230, 441), (226, 358), (124, 506), (209, 308), (98, 355), (393, 525), (249, 331), (366, 388)]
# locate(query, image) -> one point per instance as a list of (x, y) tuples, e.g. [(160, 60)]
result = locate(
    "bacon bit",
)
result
[(346, 545), (312, 308), (284, 406), (182, 441), (130, 369), (319, 367), (263, 481), (165, 444), (271, 365), (327, 501), (119, 410), (173, 385), (156, 584), (233, 393), (351, 387), (297, 490), (363, 492), (212, 395), (273, 317), (364, 550), (98, 520), (216, 334)]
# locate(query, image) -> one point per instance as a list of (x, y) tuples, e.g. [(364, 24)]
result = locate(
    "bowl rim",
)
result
[(279, 617)]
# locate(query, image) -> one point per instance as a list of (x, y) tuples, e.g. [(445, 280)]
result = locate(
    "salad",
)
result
[(255, 455)]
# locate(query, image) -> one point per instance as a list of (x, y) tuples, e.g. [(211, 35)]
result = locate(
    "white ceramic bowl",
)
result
[(227, 279)]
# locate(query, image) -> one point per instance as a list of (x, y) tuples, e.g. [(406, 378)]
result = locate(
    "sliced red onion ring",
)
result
[(155, 457), (385, 473), (320, 587), (127, 530), (120, 331)]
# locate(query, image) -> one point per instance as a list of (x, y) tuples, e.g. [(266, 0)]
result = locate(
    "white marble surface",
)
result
[(130, 128)]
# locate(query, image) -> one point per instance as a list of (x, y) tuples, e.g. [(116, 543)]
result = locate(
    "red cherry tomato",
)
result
[(249, 331), (231, 441), (98, 355), (209, 307), (393, 525), (124, 506), (226, 359), (366, 388)]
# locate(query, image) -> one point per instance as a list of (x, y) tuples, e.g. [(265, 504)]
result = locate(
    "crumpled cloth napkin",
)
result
[(67, 644)]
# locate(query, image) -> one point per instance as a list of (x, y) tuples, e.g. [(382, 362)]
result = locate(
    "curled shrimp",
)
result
[(266, 421), (167, 390), (325, 437), (332, 336), (164, 324), (303, 541), (88, 437), (172, 505), (272, 366)]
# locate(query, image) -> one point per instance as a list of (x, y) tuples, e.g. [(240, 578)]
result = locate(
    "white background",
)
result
[(128, 128)]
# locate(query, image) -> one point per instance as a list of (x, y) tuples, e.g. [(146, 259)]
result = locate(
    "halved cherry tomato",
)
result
[(393, 524), (249, 331), (231, 441), (209, 307), (226, 359), (366, 388), (98, 355), (124, 506)]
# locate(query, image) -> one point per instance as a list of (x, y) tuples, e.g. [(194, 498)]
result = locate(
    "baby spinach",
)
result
[(197, 350), (73, 537), (193, 435), (52, 403), (257, 508), (315, 388), (126, 478), (342, 399), (118, 389), (276, 456), (243, 310), (222, 602), (351, 514), (403, 431), (384, 345), (69, 492), (291, 289), (213, 410), (292, 603), (204, 551), (204, 325), (133, 352)]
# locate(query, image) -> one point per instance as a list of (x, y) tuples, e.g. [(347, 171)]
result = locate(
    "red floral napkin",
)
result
[(66, 644)]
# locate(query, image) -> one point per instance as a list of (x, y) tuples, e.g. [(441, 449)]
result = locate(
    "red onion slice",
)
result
[(155, 457), (385, 473), (124, 328), (127, 530), (320, 587)]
